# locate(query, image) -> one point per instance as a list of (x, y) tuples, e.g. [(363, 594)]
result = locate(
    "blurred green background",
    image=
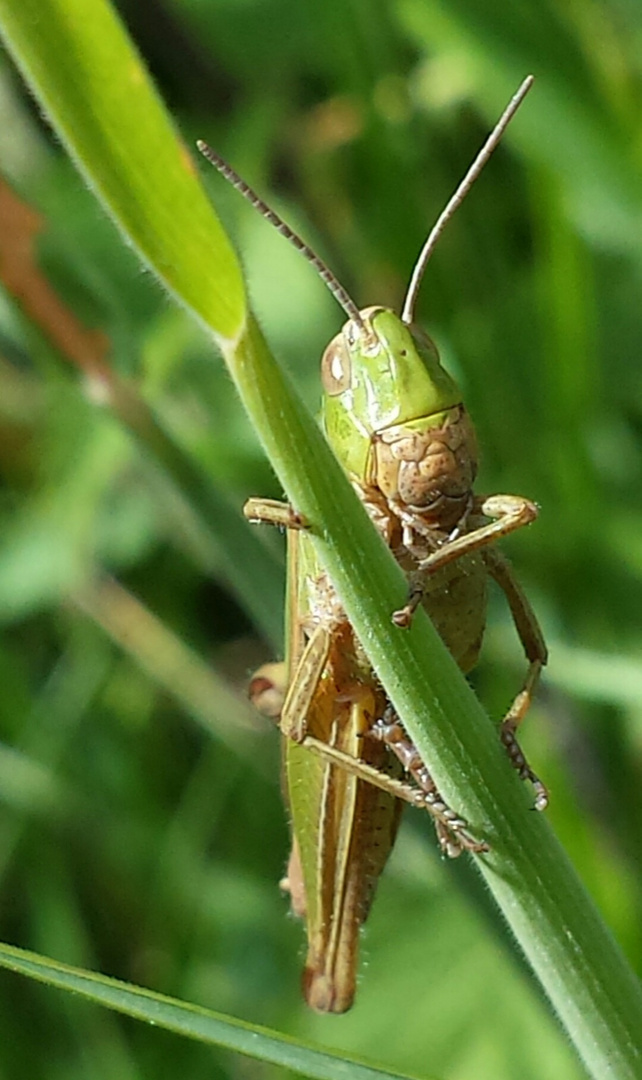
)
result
[(141, 826)]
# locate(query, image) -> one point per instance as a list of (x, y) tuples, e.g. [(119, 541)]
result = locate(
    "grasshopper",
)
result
[(396, 421)]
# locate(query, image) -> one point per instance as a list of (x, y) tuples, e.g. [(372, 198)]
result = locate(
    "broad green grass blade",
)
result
[(189, 1020)]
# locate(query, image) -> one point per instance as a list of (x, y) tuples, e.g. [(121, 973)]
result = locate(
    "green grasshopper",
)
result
[(396, 421)]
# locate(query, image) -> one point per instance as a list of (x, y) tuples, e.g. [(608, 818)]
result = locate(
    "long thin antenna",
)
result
[(324, 272), (458, 197)]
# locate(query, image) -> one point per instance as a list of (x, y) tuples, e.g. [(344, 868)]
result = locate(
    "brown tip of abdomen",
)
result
[(326, 994)]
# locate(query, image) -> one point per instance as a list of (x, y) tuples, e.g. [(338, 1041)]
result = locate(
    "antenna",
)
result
[(459, 196), (324, 272)]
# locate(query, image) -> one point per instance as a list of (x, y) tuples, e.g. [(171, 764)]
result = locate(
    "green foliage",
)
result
[(197, 1023), (130, 841)]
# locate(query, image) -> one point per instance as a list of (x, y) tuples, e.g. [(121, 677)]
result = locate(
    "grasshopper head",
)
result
[(379, 375)]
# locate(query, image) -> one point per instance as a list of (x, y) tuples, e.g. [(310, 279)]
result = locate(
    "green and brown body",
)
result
[(411, 455), (396, 421), (397, 424)]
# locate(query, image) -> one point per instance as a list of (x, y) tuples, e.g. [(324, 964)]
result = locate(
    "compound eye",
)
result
[(336, 367), (425, 346)]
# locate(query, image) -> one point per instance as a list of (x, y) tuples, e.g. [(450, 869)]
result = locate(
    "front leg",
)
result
[(509, 511), (274, 512)]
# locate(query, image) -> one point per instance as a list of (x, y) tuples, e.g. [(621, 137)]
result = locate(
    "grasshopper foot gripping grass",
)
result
[(396, 421)]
